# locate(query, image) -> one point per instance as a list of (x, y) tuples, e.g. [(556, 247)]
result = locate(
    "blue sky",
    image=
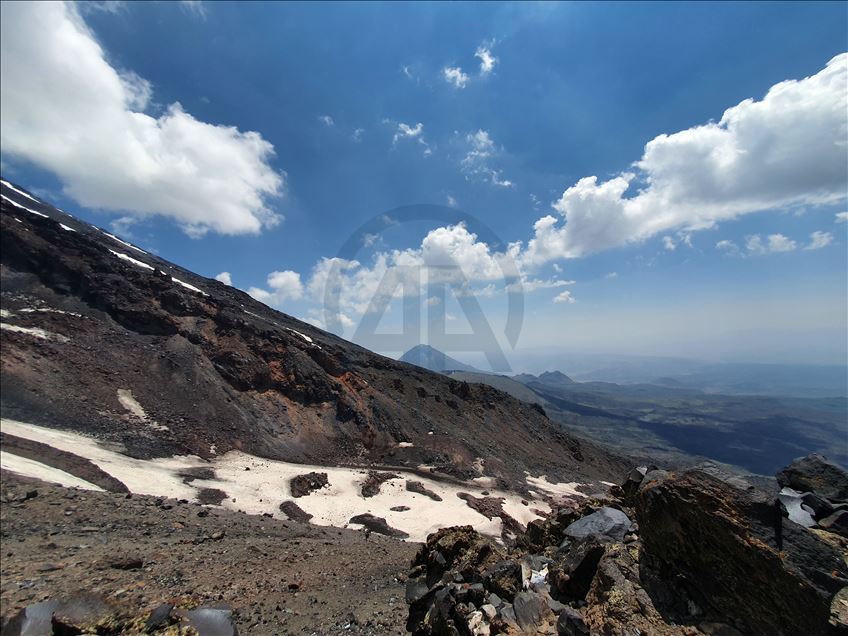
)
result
[(516, 103)]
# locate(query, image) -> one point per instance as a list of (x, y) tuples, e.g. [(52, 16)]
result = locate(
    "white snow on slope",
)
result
[(128, 401), (22, 207), (66, 228), (187, 286), (21, 192), (130, 259), (266, 485), (122, 242), (31, 468)]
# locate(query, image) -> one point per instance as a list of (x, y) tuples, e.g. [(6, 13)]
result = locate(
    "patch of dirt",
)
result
[(302, 485)]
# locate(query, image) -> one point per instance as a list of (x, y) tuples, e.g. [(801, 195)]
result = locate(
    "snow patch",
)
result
[(5, 313), (405, 444), (32, 331), (129, 245), (31, 468), (566, 488), (187, 286), (48, 310), (125, 397), (261, 489), (23, 207), (66, 228), (130, 259), (21, 192)]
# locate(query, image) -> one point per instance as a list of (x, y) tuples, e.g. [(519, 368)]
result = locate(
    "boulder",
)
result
[(531, 611), (817, 474), (302, 485), (571, 623), (837, 523), (378, 525), (572, 572), (732, 553), (607, 523)]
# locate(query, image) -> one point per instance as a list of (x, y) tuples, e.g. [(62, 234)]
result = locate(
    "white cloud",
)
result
[(775, 243), (454, 75), (818, 240), (326, 120), (64, 108), (357, 134), (785, 150), (225, 278), (282, 286), (728, 247), (476, 163), (194, 7), (487, 60), (405, 131), (530, 285), (669, 244), (565, 297), (842, 217), (451, 201), (122, 226), (611, 275)]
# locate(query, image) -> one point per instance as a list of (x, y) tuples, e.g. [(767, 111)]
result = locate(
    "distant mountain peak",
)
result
[(555, 377), (430, 358)]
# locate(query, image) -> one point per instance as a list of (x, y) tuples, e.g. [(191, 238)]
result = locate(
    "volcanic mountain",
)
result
[(427, 357), (103, 338)]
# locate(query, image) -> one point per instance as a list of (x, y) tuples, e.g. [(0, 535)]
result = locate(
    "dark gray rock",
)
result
[(570, 623), (33, 620), (160, 617), (531, 611), (378, 525), (815, 473), (606, 523), (837, 523)]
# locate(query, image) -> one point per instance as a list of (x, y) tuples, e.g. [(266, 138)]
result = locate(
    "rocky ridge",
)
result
[(668, 553)]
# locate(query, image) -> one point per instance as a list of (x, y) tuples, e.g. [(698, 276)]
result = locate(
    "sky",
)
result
[(637, 178)]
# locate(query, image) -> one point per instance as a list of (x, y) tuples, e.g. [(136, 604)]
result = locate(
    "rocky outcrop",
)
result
[(735, 555), (815, 473), (303, 485), (702, 559)]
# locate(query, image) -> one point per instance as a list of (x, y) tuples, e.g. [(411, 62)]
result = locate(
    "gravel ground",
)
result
[(279, 577)]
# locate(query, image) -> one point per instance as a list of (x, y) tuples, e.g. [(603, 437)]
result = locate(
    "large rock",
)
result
[(606, 523), (817, 474), (737, 557)]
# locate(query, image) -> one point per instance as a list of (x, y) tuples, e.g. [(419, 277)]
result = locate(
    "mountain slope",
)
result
[(104, 338), (427, 357)]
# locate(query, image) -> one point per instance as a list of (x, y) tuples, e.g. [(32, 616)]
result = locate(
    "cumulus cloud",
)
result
[(487, 60), (225, 278), (774, 243), (455, 76), (728, 247), (842, 217), (669, 244), (477, 161), (67, 110), (450, 255), (326, 120), (818, 240), (565, 297), (356, 136), (784, 150), (416, 132), (282, 286)]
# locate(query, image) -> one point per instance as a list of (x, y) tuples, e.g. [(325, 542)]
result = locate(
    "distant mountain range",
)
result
[(676, 419)]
